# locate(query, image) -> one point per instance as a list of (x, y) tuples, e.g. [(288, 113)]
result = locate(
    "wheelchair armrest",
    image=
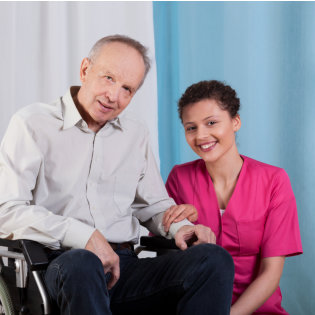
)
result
[(33, 252), (35, 255), (157, 242)]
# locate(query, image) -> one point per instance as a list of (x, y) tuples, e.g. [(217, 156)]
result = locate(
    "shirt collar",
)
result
[(116, 122), (71, 115)]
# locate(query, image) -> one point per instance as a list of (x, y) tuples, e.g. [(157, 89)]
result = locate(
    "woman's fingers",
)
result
[(178, 213)]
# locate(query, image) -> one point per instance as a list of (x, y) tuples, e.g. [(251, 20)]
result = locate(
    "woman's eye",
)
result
[(210, 123), (190, 128)]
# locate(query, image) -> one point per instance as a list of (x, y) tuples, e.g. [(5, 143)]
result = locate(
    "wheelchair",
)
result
[(23, 263)]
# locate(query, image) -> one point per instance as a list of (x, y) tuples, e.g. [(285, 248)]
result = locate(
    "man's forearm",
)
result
[(34, 222)]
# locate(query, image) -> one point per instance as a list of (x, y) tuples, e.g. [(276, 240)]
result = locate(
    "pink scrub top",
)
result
[(260, 219)]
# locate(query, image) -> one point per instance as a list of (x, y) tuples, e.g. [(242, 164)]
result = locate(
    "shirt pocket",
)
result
[(250, 234), (124, 193), (105, 193)]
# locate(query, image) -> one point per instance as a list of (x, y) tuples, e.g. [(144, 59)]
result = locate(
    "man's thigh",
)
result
[(155, 285)]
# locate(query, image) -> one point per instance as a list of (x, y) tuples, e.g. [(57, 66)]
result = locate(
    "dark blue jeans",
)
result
[(196, 281)]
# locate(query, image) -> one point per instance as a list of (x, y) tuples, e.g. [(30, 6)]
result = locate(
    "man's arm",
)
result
[(20, 167), (152, 200)]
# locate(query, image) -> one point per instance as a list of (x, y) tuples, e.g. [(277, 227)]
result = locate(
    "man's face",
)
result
[(109, 83)]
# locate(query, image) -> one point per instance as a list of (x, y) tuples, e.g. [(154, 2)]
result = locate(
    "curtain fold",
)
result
[(43, 43), (266, 51)]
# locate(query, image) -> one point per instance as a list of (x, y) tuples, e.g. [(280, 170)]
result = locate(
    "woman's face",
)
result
[(209, 130)]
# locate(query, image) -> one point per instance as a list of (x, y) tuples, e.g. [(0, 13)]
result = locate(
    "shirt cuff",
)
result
[(77, 234), (176, 226), (173, 228)]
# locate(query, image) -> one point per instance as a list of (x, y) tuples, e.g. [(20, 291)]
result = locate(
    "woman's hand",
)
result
[(178, 213)]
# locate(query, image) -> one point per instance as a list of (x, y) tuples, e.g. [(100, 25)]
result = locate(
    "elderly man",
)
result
[(77, 175)]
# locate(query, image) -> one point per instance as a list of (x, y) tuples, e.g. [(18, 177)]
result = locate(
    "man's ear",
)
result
[(237, 123), (84, 69)]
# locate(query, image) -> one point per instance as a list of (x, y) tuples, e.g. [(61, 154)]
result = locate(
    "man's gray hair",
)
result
[(143, 51)]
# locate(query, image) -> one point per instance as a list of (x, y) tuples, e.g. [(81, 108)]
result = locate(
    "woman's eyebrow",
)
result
[(212, 116)]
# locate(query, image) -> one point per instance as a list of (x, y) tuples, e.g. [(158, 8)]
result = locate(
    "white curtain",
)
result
[(42, 45)]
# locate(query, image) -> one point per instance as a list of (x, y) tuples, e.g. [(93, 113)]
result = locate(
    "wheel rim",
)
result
[(6, 305)]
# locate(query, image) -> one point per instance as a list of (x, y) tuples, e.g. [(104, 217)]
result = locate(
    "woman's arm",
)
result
[(261, 288)]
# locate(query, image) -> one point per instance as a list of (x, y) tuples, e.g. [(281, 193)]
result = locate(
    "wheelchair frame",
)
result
[(30, 257)]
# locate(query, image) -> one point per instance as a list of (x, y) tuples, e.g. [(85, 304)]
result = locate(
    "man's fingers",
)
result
[(115, 274), (205, 236), (180, 243), (98, 245), (183, 235)]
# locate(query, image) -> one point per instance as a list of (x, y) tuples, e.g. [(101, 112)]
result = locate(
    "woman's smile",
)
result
[(210, 130), (208, 146)]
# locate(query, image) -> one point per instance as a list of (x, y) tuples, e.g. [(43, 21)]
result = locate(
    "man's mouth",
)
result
[(105, 107)]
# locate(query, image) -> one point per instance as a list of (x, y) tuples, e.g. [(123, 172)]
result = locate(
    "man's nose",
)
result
[(112, 92)]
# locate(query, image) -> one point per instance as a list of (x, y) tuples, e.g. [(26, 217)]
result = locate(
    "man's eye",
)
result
[(127, 89), (107, 77)]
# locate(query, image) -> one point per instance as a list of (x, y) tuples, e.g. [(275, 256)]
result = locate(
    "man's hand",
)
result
[(197, 234), (98, 245), (178, 213)]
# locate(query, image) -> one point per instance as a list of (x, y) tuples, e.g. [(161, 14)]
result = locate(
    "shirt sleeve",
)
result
[(281, 235), (151, 199), (155, 226), (20, 218)]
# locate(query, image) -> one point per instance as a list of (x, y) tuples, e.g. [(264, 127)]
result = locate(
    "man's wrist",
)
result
[(176, 226), (77, 234)]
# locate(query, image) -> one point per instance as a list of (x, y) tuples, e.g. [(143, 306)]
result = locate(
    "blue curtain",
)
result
[(266, 51)]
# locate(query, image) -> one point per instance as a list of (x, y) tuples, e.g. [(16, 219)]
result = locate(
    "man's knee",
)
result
[(213, 259), (219, 255)]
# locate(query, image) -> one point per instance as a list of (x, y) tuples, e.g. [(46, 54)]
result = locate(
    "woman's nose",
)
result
[(202, 133)]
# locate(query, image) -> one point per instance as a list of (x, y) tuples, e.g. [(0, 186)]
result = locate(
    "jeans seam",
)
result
[(61, 277), (192, 272)]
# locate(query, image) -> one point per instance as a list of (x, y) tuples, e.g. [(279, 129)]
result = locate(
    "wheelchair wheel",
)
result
[(6, 305)]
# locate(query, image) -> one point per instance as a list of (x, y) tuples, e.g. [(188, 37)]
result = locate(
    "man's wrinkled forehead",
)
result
[(122, 61)]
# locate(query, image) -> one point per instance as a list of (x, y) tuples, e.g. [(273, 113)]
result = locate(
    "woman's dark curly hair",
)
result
[(215, 90)]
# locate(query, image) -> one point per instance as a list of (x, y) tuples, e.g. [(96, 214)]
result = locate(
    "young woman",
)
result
[(249, 205)]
